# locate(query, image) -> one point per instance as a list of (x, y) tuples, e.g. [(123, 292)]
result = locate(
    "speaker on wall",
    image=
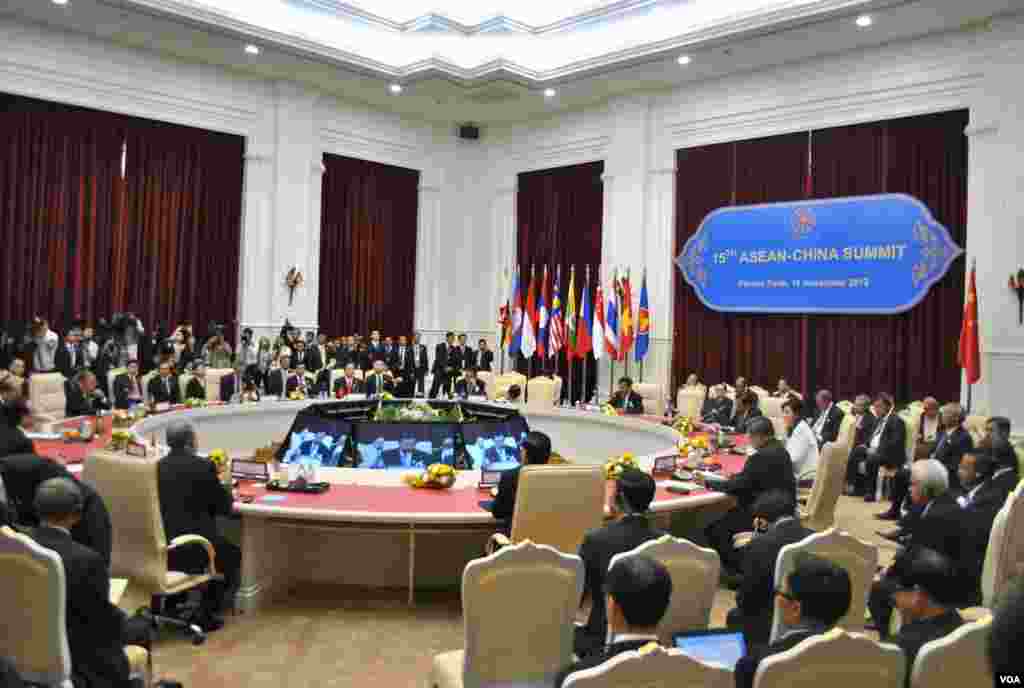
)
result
[(469, 131)]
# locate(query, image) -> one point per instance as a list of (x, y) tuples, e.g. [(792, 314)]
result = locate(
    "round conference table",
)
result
[(370, 530)]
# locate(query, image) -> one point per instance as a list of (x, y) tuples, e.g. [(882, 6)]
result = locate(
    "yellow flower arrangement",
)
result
[(683, 425), (220, 459), (119, 440), (120, 418), (296, 395), (438, 476), (386, 396), (614, 467), (609, 410), (195, 403)]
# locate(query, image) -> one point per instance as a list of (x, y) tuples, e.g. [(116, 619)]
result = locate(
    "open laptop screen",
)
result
[(721, 646)]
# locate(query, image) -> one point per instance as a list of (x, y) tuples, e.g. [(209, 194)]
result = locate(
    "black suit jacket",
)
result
[(276, 382), (191, 495), (14, 441), (747, 666), (980, 512), (158, 390), (375, 352), (830, 430), (229, 386), (485, 360), (441, 358), (944, 528), (22, 475), (195, 390), (341, 384), (756, 597), (122, 388), (95, 627), (717, 410), (392, 458), (78, 404), (599, 658), (62, 360), (596, 551), (950, 447), (468, 357), (770, 468), (914, 634), (505, 501), (405, 363), (422, 364), (739, 423), (892, 449), (462, 388), (373, 388), (867, 426), (633, 404)]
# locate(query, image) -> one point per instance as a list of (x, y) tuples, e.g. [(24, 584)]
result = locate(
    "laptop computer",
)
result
[(722, 646)]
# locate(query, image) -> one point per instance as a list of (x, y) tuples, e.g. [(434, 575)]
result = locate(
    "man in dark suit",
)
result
[(276, 381), (777, 525), (634, 492), (468, 355), (768, 468), (404, 365), (887, 447), (814, 597), (637, 593), (999, 475), (375, 349), (82, 396), (937, 523), (744, 411), (233, 384), (625, 399), (128, 387), (95, 627), (24, 473), (380, 380), (69, 357), (717, 408), (195, 388), (927, 591), (191, 497), (344, 353), (12, 438), (347, 383), (535, 451), (422, 364), (485, 357), (950, 445), (299, 382), (406, 455), (470, 386), (828, 419), (443, 370), (163, 388), (866, 420), (307, 357)]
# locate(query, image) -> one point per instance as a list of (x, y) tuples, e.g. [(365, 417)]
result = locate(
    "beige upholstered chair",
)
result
[(488, 380), (559, 385), (846, 406), (761, 392), (653, 396), (506, 380), (836, 658), (129, 488), (694, 572), (145, 384), (771, 407), (39, 648), (540, 393), (1004, 556), (46, 395), (957, 659), (213, 378), (858, 558), (653, 667), (689, 402), (828, 485), (556, 505), (517, 606)]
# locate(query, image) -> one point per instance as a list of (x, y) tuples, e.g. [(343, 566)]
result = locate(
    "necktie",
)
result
[(167, 387)]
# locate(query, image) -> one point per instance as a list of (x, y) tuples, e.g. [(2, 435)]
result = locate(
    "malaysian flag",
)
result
[(557, 324)]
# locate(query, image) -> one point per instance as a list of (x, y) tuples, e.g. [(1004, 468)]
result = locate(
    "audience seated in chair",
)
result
[(97, 630), (191, 496), (801, 443), (637, 593), (717, 408), (1006, 638), (128, 387), (163, 388), (776, 525), (634, 492), (536, 450), (996, 427), (885, 446), (82, 396), (768, 468), (13, 413), (926, 589), (626, 400), (827, 419), (816, 595), (470, 386), (195, 388), (745, 410)]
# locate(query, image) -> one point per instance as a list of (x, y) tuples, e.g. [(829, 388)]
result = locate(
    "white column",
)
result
[(315, 204), (433, 282), (255, 298), (659, 258)]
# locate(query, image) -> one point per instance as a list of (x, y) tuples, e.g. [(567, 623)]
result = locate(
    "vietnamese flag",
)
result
[(969, 355)]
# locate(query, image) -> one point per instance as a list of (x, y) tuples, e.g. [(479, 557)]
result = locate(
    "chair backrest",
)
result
[(557, 505), (847, 429), (504, 381), (112, 375), (689, 402), (655, 667), (1004, 556), (694, 572), (761, 392), (653, 396), (778, 427), (46, 394), (145, 384), (828, 485), (845, 406), (130, 489), (213, 380), (913, 422), (558, 388), (771, 407), (183, 384), (32, 598), (518, 605), (540, 393), (836, 659), (842, 549), (488, 379), (957, 659)]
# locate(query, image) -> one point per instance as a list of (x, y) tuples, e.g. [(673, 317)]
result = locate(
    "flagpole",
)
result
[(586, 296)]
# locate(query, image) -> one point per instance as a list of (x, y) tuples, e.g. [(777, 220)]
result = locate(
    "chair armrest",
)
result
[(496, 542), (211, 553)]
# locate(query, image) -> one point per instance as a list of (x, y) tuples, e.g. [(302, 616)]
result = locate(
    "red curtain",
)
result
[(912, 354), (180, 236), (368, 247), (721, 346), (559, 215), (59, 177)]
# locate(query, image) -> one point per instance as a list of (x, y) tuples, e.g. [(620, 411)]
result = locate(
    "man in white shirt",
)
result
[(46, 341), (801, 443), (928, 429), (829, 419)]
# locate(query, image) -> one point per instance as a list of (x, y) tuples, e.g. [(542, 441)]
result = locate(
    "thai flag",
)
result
[(611, 320), (517, 315)]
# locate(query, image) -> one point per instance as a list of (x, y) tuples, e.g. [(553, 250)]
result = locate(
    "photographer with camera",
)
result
[(217, 351)]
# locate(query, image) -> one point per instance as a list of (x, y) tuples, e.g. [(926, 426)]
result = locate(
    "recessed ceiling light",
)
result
[(864, 21), (549, 92), (252, 49), (395, 88), (60, 2), (684, 59)]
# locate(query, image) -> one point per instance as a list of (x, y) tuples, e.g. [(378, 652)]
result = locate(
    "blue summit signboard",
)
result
[(865, 254)]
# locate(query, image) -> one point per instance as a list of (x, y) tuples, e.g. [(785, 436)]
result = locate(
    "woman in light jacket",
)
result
[(801, 443)]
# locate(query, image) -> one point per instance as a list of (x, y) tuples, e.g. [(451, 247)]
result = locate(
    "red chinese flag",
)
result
[(969, 356)]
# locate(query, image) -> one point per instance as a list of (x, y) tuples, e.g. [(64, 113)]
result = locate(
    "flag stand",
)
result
[(568, 364), (585, 388), (611, 377), (529, 375), (641, 371), (502, 356)]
